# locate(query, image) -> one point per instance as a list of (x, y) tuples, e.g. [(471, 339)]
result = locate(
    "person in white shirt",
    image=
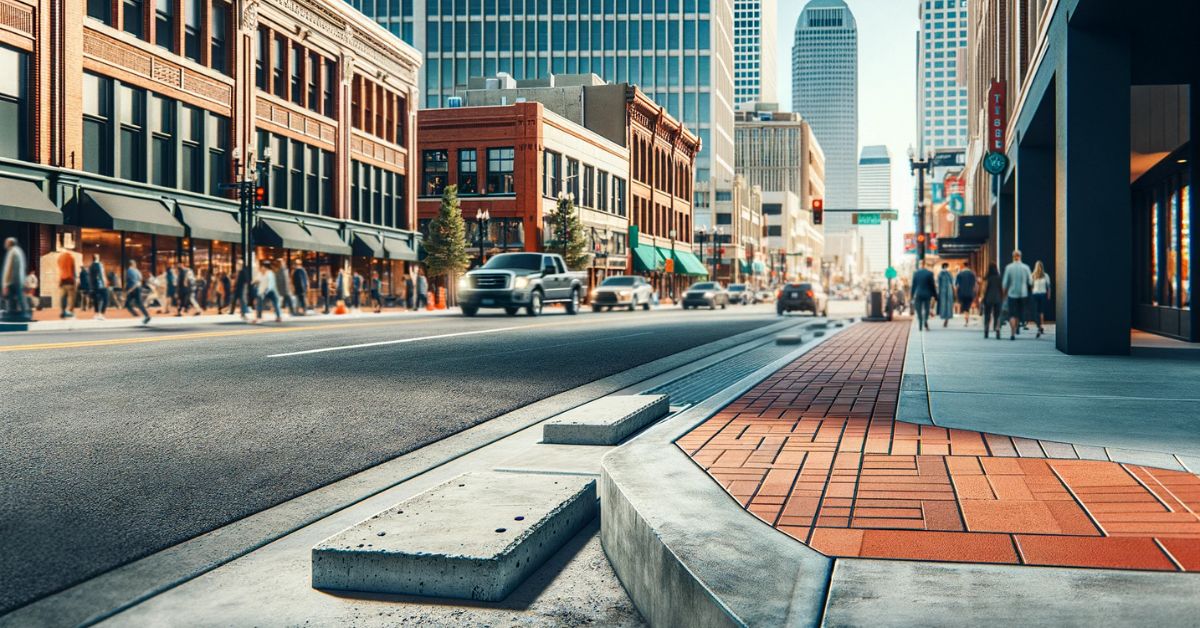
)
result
[(1040, 289), (1016, 282), (264, 285)]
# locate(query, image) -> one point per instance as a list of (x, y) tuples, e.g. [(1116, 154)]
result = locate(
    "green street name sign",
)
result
[(868, 219)]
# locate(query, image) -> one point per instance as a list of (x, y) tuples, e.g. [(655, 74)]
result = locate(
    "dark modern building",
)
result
[(1099, 113)]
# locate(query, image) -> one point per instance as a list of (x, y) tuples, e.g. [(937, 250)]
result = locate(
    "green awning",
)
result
[(367, 244), (745, 267), (686, 263), (760, 268), (645, 259), (24, 201), (283, 234), (327, 240), (405, 249), (210, 224)]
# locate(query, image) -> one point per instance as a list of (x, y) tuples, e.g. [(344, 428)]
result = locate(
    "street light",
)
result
[(482, 217), (673, 270), (250, 185), (920, 164)]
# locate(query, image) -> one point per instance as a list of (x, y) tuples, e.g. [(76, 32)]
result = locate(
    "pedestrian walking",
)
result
[(226, 296), (114, 289), (267, 291), (376, 292), (185, 291), (357, 294), (422, 290), (965, 284), (31, 291), (240, 290), (1016, 282), (993, 298), (1040, 289), (12, 280), (98, 287), (300, 286), (83, 297), (170, 281), (326, 296), (409, 292), (66, 283), (945, 294), (203, 287), (924, 290), (282, 283), (343, 287), (133, 292)]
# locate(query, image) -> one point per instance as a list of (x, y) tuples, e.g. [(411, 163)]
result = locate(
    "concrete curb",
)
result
[(164, 320), (107, 594), (685, 551)]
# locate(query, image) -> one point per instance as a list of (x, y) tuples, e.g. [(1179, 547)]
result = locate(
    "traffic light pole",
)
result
[(251, 193)]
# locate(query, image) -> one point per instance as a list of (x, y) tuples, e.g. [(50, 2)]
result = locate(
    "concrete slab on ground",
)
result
[(1027, 388), (605, 421), (907, 593)]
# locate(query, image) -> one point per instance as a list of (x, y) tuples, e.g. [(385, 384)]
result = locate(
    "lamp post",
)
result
[(251, 189), (482, 217), (920, 164), (674, 271)]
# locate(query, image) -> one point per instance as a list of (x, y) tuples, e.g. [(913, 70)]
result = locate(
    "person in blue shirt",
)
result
[(1018, 279), (133, 292)]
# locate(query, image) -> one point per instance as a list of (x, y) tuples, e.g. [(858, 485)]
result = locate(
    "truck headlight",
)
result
[(521, 283), (463, 284), (708, 295)]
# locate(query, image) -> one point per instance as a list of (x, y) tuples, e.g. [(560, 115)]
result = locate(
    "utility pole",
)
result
[(251, 190), (920, 164)]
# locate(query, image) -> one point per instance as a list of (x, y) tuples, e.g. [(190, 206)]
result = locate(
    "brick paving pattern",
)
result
[(814, 451)]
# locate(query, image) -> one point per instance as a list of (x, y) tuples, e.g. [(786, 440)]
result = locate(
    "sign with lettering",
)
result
[(996, 116)]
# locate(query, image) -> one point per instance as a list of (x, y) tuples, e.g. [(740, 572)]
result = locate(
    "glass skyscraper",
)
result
[(942, 94), (754, 51), (679, 52), (825, 92)]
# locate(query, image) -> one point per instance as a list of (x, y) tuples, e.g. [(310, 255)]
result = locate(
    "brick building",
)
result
[(662, 162), (123, 120), (513, 161)]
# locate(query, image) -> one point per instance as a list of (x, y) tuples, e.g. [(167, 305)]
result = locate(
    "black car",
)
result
[(707, 294), (802, 297)]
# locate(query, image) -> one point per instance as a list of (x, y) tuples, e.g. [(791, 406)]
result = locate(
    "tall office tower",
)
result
[(875, 192), (753, 51), (679, 52), (941, 66), (394, 15), (825, 92)]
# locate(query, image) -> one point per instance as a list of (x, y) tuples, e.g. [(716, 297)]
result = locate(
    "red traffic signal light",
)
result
[(920, 237), (260, 194), (818, 210)]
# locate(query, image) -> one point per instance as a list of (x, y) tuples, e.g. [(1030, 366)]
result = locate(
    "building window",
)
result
[(100, 10), (326, 184), (619, 189), (14, 103), (191, 164), (218, 158), (602, 193), (589, 182), (164, 24), (327, 87), (572, 178), (219, 58), (260, 61), (434, 170), (314, 71), (191, 29), (297, 72), (133, 16), (500, 171), (468, 172), (552, 181), (132, 119), (279, 78), (162, 142), (297, 177)]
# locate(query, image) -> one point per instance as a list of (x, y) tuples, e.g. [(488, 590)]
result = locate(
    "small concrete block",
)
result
[(839, 324), (789, 339), (475, 537), (605, 421), (818, 333), (1145, 458)]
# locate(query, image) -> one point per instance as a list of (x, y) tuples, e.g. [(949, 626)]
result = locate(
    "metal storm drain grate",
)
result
[(696, 387)]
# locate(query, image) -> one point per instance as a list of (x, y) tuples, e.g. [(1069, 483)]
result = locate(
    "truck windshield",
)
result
[(515, 261), (619, 281)]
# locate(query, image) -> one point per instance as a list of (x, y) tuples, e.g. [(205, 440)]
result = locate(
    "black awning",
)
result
[(404, 249), (210, 224), (367, 245), (24, 201), (108, 210), (327, 240), (957, 247), (974, 228), (283, 234)]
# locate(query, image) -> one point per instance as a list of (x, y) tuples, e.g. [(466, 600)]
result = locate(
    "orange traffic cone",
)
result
[(341, 308)]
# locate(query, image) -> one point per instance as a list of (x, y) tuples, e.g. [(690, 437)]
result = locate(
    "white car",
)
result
[(629, 291)]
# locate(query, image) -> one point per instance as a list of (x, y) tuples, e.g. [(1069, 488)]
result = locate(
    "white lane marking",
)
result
[(402, 341)]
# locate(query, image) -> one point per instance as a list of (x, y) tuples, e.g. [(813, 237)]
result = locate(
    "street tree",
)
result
[(569, 238), (446, 243)]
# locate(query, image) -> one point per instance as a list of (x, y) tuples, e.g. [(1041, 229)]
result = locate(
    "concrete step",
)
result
[(605, 421), (789, 339), (475, 537)]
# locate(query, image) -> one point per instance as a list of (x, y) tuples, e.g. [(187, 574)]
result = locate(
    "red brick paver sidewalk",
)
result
[(814, 451)]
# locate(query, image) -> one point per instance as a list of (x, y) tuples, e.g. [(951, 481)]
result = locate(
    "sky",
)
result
[(887, 92)]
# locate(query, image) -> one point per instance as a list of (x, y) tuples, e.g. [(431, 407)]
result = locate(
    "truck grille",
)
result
[(490, 282)]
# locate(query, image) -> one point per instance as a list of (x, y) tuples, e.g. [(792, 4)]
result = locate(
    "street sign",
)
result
[(868, 219), (890, 273), (995, 163)]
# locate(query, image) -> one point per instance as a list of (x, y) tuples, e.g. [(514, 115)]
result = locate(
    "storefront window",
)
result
[(1185, 246), (1155, 251), (222, 258), (435, 167), (106, 244), (14, 103), (166, 253), (139, 247)]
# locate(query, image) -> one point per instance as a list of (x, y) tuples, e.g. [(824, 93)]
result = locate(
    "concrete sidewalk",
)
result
[(1027, 388)]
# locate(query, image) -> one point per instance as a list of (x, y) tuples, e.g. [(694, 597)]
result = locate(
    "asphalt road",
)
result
[(116, 444)]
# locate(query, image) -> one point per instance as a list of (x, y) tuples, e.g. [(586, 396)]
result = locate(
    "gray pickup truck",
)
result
[(521, 280)]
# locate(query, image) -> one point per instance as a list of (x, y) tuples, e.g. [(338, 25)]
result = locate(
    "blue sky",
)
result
[(887, 105)]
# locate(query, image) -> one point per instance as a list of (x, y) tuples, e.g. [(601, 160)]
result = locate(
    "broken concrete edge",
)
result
[(441, 543), (605, 421), (100, 597), (686, 552)]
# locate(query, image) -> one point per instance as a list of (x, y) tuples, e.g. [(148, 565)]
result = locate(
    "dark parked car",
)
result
[(802, 297), (708, 294)]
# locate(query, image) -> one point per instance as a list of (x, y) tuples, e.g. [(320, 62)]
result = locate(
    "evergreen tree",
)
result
[(574, 246), (446, 243)]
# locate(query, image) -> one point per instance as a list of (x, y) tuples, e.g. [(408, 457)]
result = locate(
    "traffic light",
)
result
[(818, 210), (260, 196)]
